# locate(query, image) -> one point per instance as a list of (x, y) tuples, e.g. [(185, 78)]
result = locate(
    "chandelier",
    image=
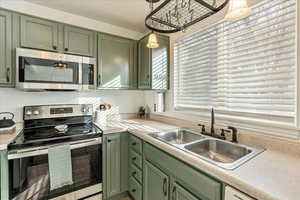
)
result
[(176, 15)]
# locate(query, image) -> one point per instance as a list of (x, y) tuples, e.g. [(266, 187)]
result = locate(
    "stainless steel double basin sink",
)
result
[(222, 153)]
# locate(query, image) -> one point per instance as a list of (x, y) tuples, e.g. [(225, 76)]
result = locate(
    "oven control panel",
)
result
[(55, 111)]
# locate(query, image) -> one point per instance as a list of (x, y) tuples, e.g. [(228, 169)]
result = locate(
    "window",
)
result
[(247, 66)]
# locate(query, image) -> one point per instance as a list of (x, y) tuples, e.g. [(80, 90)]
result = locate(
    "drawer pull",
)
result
[(134, 143), (174, 193), (165, 187), (134, 190), (239, 198)]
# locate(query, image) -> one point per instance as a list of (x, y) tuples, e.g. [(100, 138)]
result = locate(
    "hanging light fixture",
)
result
[(152, 41), (238, 9)]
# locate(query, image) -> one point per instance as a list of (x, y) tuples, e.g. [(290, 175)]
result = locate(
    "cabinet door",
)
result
[(115, 164), (180, 193), (160, 64), (144, 65), (6, 48), (4, 187), (115, 61), (39, 34), (78, 41), (155, 183)]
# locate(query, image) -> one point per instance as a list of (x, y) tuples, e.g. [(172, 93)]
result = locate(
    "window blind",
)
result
[(246, 66)]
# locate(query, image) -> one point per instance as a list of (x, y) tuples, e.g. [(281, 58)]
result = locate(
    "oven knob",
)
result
[(28, 112), (84, 110), (36, 112)]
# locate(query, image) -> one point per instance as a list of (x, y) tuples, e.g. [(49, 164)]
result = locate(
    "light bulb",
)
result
[(238, 9)]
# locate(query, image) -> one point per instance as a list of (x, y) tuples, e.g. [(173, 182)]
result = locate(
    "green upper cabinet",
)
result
[(144, 65), (115, 164), (6, 49), (154, 64), (39, 34), (116, 62), (78, 41), (155, 182)]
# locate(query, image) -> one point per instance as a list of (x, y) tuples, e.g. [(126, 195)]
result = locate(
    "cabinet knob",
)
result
[(134, 143), (134, 190), (66, 49), (108, 140), (54, 47), (134, 158), (133, 173)]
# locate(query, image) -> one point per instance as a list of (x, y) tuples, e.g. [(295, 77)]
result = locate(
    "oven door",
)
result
[(29, 174), (47, 70)]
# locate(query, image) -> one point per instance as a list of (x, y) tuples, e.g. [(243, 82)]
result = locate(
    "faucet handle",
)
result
[(233, 131), (202, 127)]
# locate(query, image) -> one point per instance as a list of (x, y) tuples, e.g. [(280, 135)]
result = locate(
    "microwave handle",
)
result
[(44, 150)]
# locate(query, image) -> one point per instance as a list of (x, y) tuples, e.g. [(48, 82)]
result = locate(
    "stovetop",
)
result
[(49, 135)]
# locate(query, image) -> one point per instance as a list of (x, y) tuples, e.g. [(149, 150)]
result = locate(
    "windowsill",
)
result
[(284, 130)]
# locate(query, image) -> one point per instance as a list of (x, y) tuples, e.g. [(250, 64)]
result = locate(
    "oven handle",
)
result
[(44, 150)]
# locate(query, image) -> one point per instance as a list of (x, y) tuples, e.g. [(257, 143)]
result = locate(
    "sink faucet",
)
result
[(212, 121)]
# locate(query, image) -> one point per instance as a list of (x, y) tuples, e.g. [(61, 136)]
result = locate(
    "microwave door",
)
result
[(88, 73)]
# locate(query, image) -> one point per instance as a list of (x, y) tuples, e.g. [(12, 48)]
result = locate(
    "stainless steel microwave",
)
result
[(43, 70)]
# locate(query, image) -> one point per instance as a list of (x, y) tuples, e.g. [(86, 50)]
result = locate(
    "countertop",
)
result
[(6, 138), (272, 175)]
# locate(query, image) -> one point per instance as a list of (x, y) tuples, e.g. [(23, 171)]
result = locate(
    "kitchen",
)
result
[(149, 99)]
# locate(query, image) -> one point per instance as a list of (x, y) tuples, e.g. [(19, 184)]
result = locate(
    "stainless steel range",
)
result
[(49, 126)]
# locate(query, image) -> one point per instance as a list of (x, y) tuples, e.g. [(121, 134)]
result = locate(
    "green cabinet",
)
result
[(153, 67), (6, 72), (155, 182), (38, 34), (78, 41), (180, 193), (144, 65), (115, 170), (116, 62), (4, 187)]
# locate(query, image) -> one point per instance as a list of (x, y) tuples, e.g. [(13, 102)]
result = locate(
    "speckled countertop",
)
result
[(6, 138), (272, 175)]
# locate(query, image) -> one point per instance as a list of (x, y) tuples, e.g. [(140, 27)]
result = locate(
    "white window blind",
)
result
[(247, 66)]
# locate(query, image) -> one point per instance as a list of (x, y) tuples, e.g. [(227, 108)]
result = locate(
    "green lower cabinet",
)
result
[(4, 187), (115, 150), (155, 182), (180, 193)]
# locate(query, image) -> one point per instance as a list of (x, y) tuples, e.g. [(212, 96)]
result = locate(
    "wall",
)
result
[(67, 18), (123, 102)]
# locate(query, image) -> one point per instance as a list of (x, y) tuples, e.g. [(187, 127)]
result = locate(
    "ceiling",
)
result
[(129, 14)]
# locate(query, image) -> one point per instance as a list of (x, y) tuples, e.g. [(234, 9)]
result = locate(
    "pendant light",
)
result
[(152, 40), (238, 9)]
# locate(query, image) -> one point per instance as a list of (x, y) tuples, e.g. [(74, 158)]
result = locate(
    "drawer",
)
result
[(136, 159), (233, 194), (136, 144), (210, 188), (136, 173), (135, 189)]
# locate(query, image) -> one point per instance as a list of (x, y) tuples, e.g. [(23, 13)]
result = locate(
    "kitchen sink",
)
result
[(178, 136), (222, 153)]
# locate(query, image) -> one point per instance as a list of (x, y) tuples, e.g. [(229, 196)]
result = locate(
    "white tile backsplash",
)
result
[(127, 101)]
